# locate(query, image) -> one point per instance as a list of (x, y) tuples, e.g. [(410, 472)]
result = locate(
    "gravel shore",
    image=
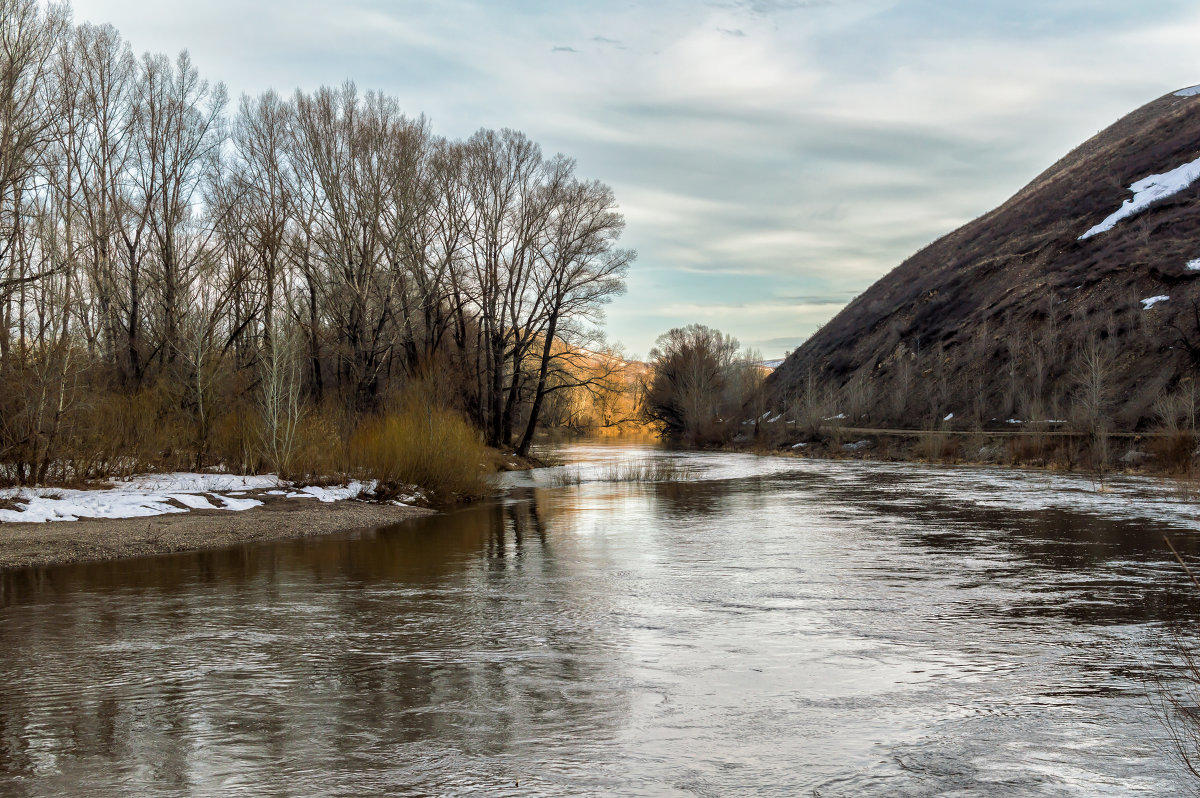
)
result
[(87, 540)]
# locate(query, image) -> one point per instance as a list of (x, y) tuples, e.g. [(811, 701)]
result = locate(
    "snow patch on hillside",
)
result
[(1147, 191), (1193, 265), (1151, 301), (1190, 91)]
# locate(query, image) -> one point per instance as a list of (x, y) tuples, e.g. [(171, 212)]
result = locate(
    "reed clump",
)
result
[(565, 477), (657, 470), (644, 471)]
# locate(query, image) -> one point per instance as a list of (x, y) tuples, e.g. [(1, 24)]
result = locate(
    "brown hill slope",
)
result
[(1013, 316)]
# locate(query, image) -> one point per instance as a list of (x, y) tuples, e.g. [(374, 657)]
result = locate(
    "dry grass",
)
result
[(565, 477), (1184, 488), (427, 446), (116, 434), (657, 470), (320, 449), (121, 434)]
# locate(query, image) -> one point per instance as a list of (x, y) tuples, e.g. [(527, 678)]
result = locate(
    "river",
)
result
[(767, 626)]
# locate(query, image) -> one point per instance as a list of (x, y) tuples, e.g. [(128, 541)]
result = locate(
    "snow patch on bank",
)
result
[(334, 494), (193, 501), (1147, 191), (1151, 301), (160, 494)]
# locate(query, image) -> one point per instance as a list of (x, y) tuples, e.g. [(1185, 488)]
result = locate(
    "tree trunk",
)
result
[(540, 394)]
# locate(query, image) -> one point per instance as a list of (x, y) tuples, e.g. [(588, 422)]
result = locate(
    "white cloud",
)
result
[(806, 156)]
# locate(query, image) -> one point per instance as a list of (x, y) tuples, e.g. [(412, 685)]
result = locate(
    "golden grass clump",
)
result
[(431, 447)]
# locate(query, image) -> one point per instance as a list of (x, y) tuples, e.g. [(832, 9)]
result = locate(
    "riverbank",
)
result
[(56, 543), (1150, 453)]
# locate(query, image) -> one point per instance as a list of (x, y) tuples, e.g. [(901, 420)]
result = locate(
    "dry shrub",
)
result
[(772, 436), (1099, 455), (931, 444), (1173, 450), (1177, 704), (320, 450), (1027, 449), (122, 434), (1176, 697), (1067, 454), (235, 439), (420, 444)]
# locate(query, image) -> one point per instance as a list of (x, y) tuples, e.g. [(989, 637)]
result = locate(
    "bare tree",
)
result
[(689, 368), (280, 396), (811, 406), (579, 270), (29, 37), (903, 362), (1092, 378), (503, 170), (180, 127), (354, 149), (251, 200)]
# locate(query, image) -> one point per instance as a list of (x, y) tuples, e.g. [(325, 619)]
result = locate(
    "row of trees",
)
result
[(702, 390), (320, 253)]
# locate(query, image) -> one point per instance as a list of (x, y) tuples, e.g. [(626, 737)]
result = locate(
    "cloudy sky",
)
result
[(772, 157)]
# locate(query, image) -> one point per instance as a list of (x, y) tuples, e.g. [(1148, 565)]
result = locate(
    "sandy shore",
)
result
[(58, 542)]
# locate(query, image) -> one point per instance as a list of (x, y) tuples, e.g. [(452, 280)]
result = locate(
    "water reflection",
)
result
[(773, 627)]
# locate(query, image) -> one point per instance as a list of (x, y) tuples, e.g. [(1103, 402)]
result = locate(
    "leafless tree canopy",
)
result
[(322, 251), (699, 388)]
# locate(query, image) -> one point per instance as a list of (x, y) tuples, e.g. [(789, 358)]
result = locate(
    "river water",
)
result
[(768, 626)]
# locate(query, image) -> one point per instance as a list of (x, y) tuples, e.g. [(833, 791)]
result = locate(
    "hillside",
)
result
[(1077, 296)]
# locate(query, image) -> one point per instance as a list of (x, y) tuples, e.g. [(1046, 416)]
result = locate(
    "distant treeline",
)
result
[(182, 284), (700, 390)]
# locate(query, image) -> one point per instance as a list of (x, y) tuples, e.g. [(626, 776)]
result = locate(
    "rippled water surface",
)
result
[(768, 627)]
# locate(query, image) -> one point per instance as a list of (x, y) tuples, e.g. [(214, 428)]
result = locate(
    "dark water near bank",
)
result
[(771, 627)]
